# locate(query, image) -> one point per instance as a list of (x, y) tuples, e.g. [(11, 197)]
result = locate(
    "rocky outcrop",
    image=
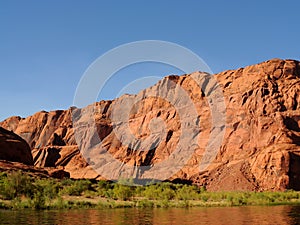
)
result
[(262, 137), (14, 148), (8, 166), (51, 138), (67, 158), (43, 128), (15, 154), (260, 149)]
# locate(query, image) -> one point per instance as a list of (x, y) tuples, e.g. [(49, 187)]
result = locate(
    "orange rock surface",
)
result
[(260, 149)]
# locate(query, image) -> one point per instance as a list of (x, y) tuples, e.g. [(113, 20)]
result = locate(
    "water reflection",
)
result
[(285, 215)]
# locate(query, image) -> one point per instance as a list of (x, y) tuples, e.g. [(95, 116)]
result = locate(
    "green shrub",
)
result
[(59, 203), (186, 192), (104, 188), (16, 184), (77, 187), (49, 188), (38, 201), (152, 192), (122, 192), (204, 197)]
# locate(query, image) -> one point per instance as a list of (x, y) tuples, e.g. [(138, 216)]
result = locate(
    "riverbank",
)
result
[(21, 191)]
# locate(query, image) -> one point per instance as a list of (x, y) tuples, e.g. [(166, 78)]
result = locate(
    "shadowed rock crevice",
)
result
[(294, 172), (292, 123)]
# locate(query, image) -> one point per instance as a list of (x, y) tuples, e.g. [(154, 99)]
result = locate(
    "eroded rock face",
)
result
[(263, 124), (260, 149), (43, 128), (14, 148)]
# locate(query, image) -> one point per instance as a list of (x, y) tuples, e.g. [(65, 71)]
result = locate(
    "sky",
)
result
[(46, 46)]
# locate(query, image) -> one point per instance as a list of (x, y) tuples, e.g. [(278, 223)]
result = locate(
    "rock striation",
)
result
[(260, 149)]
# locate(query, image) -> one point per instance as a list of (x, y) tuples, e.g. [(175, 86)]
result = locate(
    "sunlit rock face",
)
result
[(260, 149)]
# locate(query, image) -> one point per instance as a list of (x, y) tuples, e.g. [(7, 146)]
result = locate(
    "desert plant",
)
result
[(16, 184), (77, 187), (122, 192)]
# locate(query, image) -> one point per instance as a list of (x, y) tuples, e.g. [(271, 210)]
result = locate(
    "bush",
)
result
[(152, 192), (59, 203), (104, 188), (122, 192), (48, 187), (187, 192), (38, 201), (16, 184), (77, 187)]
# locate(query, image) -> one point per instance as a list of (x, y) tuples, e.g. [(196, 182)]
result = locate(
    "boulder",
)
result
[(14, 148)]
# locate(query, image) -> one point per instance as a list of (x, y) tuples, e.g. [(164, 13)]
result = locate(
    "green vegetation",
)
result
[(21, 191)]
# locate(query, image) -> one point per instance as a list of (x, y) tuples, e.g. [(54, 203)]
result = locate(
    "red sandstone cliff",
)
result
[(260, 150)]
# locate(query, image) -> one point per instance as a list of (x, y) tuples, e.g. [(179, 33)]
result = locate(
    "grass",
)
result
[(20, 191)]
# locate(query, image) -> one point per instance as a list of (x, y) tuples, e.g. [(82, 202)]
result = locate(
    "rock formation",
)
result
[(9, 166), (15, 154), (14, 148), (260, 149)]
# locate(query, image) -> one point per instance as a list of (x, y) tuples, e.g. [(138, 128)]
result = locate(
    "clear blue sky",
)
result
[(45, 46)]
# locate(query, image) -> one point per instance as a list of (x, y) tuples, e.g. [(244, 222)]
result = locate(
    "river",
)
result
[(262, 215)]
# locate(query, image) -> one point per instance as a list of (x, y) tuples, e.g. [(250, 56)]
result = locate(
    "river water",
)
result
[(285, 215)]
